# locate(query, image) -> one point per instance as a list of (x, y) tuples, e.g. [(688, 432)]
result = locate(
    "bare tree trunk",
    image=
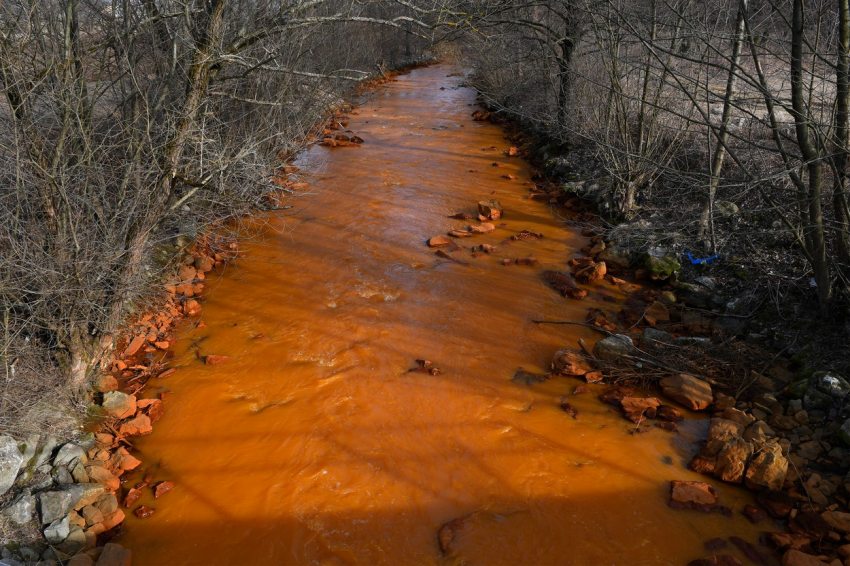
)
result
[(841, 139), (812, 211), (706, 222)]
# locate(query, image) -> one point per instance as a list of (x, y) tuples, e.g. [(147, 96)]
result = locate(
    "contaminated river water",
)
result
[(315, 444)]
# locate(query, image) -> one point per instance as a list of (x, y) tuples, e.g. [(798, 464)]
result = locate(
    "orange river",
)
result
[(314, 444)]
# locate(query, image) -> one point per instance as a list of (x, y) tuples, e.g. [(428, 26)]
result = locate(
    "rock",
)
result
[(797, 558), (104, 477), (661, 266), (80, 560), (655, 313), (161, 488), (447, 533), (844, 433), (483, 228), (732, 460), (137, 426), (527, 377), (754, 513), (438, 241), (491, 209), (716, 560), (825, 390), (459, 233), (612, 348), (687, 390), (636, 409), (68, 453), (153, 408), (768, 468), (107, 504), (114, 555), (92, 515), (837, 520), (58, 530), (692, 495), (57, 503), (119, 405), (570, 362), (592, 273), (758, 433), (106, 383), (214, 359), (11, 461), (726, 209), (143, 511), (564, 284), (651, 337), (135, 345), (778, 503), (22, 508), (810, 450), (192, 307), (669, 414), (594, 377)]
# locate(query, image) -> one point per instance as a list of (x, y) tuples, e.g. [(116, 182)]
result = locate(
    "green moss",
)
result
[(662, 267)]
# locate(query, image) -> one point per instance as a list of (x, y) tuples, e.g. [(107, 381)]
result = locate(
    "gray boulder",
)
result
[(825, 390), (58, 503), (613, 347), (21, 509), (68, 453), (58, 530), (11, 460)]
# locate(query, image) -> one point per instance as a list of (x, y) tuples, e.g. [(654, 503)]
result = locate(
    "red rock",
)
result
[(526, 261), (132, 497), (592, 273), (784, 541), (460, 234), (161, 488), (104, 438), (104, 477), (778, 503), (186, 273), (135, 344), (570, 362), (106, 383), (119, 405), (192, 307), (594, 377), (692, 495), (483, 228), (137, 426), (637, 408), (447, 533), (512, 151), (166, 373), (438, 241), (214, 359), (797, 558), (143, 511), (204, 263), (526, 235), (669, 414), (655, 313), (580, 389), (689, 391), (564, 284), (162, 344), (490, 210), (125, 461), (153, 408), (754, 513)]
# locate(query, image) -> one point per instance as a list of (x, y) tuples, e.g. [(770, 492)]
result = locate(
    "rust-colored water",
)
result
[(314, 445)]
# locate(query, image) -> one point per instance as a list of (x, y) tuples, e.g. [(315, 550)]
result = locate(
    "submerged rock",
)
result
[(570, 362), (692, 495)]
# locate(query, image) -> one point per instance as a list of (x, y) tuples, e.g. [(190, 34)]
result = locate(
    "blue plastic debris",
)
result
[(701, 260)]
